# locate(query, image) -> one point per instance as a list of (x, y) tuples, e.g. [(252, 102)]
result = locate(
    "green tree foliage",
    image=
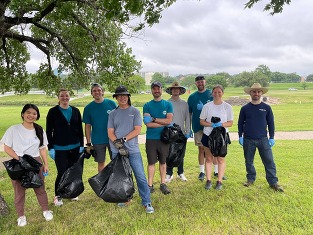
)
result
[(248, 78), (309, 78), (274, 6), (83, 36), (159, 77), (304, 85), (136, 84), (284, 77), (219, 78), (189, 82)]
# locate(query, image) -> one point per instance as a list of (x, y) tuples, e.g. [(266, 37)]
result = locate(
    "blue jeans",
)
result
[(265, 151), (135, 161), (180, 169)]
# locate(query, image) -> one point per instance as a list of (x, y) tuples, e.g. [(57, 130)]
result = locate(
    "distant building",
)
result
[(148, 76)]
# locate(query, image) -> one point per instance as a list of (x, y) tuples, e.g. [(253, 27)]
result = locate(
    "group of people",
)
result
[(114, 128)]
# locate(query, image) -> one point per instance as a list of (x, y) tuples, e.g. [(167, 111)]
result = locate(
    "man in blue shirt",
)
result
[(157, 114), (254, 120)]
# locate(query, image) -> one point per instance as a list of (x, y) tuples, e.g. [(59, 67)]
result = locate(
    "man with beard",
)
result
[(95, 118), (254, 120), (157, 114), (195, 102)]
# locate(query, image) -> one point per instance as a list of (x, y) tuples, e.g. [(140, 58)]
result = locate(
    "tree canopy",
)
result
[(274, 6), (84, 36)]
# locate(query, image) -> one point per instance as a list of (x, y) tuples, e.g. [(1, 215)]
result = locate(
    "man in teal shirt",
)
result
[(95, 118), (195, 102), (157, 113)]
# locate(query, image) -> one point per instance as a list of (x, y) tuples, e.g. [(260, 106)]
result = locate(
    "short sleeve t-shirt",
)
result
[(97, 114), (23, 141), (193, 100), (123, 122), (157, 109), (224, 111)]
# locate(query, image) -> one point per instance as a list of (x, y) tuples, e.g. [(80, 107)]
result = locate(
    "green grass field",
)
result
[(189, 209)]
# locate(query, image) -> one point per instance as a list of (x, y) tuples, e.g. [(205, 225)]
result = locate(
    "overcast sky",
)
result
[(211, 36)]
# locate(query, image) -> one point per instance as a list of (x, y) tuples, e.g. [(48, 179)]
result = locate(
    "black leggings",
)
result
[(64, 159)]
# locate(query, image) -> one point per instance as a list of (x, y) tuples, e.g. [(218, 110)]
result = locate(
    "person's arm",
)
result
[(88, 132), (240, 122), (270, 123), (43, 154), (10, 152), (203, 122), (111, 134), (159, 122)]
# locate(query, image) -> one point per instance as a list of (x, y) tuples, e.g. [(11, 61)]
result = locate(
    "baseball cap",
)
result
[(199, 78), (156, 83)]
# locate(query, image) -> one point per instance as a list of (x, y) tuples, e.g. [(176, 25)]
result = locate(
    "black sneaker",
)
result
[(151, 189), (164, 189), (215, 174), (201, 176), (277, 188), (208, 184), (219, 185)]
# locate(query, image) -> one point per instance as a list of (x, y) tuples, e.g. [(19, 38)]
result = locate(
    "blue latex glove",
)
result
[(200, 105), (216, 124), (45, 174), (171, 124), (271, 142), (81, 149), (147, 119), (189, 135), (52, 153), (241, 141)]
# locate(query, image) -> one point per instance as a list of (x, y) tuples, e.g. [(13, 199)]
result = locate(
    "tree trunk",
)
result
[(4, 210)]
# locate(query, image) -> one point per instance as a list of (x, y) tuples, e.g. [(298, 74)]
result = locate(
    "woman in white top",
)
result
[(28, 138), (223, 110)]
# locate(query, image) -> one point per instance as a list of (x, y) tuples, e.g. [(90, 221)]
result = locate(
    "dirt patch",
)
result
[(238, 101)]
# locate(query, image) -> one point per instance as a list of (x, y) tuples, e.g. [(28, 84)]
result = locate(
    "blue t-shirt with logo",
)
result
[(97, 114), (157, 109)]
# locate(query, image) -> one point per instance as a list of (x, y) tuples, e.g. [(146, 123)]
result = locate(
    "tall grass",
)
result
[(189, 209)]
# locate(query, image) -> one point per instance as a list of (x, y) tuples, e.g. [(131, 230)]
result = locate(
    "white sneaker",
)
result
[(182, 177), (48, 215), (75, 199), (21, 221), (168, 178), (58, 201)]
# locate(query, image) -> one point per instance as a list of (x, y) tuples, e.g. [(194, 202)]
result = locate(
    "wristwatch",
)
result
[(124, 139), (153, 119)]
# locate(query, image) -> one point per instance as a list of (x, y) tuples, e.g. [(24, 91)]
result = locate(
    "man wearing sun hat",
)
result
[(254, 120), (182, 118)]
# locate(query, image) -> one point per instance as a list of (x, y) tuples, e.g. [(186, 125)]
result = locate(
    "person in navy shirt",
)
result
[(256, 121)]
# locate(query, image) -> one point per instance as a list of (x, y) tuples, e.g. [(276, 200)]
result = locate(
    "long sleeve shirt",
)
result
[(255, 120)]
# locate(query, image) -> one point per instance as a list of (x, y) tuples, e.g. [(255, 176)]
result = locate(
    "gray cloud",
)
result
[(221, 36)]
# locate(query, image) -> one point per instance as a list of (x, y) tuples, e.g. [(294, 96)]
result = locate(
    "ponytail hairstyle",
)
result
[(38, 128)]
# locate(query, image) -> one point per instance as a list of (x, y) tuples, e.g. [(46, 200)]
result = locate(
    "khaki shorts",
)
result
[(197, 138)]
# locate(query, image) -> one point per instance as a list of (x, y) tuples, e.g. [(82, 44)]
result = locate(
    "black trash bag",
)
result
[(14, 169), (71, 183), (31, 179), (177, 151), (170, 134), (215, 119), (115, 182), (29, 163), (217, 141)]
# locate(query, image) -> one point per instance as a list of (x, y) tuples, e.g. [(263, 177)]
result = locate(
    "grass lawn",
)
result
[(189, 209)]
